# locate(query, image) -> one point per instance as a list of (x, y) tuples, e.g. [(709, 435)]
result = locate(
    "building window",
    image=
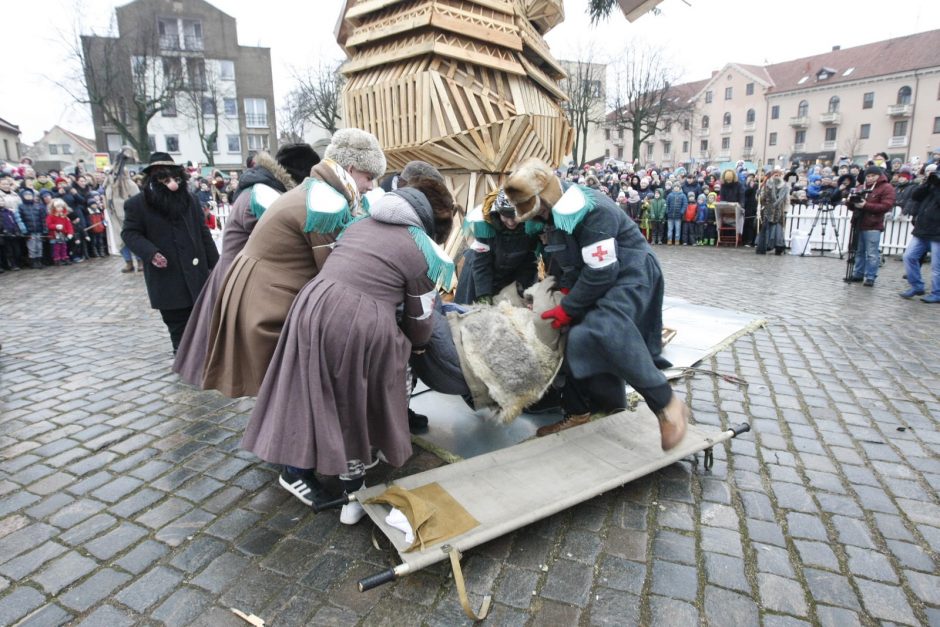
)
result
[(936, 125), (748, 142), (256, 113), (607, 153), (704, 121), (686, 124), (227, 70), (172, 71), (169, 107), (728, 91), (53, 149), (620, 152), (208, 106), (192, 35), (864, 131), (751, 116), (703, 145), (667, 148), (831, 133), (152, 143), (619, 133), (799, 137), (834, 104), (66, 149), (607, 134), (172, 143), (234, 143), (900, 128), (169, 34), (904, 95), (231, 107), (649, 149), (726, 119), (725, 143), (708, 96), (773, 139), (868, 100), (685, 145), (196, 71), (257, 142), (802, 110), (749, 89), (775, 112)]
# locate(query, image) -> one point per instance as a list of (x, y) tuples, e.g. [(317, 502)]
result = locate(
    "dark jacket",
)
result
[(879, 201), (902, 197), (505, 257), (33, 216), (732, 192), (184, 240), (927, 221)]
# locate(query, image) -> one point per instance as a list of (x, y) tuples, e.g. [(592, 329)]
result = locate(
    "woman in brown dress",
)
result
[(336, 389)]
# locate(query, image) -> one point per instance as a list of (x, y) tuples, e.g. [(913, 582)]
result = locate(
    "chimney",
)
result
[(714, 72), (834, 48)]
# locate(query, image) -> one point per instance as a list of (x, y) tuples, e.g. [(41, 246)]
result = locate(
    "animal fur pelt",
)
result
[(508, 354)]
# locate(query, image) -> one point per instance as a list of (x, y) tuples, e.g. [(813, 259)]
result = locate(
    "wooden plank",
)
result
[(445, 105), (364, 35), (425, 106), (466, 28)]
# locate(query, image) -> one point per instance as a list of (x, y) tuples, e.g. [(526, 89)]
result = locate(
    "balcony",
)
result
[(801, 121), (750, 127), (169, 42), (799, 147), (726, 130), (704, 154), (748, 154), (900, 110), (191, 42), (724, 155), (829, 145), (704, 132), (256, 120), (831, 117), (898, 141)]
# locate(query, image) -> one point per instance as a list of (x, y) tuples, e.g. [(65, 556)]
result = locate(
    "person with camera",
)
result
[(926, 235), (869, 206)]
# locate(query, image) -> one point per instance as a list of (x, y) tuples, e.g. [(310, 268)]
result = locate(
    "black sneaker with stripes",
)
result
[(304, 486)]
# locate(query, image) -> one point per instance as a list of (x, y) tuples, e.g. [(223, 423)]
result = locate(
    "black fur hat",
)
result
[(297, 159)]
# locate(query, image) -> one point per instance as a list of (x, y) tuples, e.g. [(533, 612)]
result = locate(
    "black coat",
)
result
[(927, 220), (184, 240)]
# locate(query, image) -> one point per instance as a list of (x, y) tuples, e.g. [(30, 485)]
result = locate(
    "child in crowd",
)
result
[(645, 218), (633, 205), (688, 221), (711, 230), (12, 231), (33, 214), (61, 232), (658, 217), (98, 246), (701, 215)]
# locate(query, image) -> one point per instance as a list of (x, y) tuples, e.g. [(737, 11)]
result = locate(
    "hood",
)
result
[(266, 171)]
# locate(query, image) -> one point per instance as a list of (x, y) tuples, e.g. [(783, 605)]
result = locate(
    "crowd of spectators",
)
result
[(59, 217)]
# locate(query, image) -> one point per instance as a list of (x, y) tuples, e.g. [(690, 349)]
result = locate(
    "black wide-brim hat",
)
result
[(161, 159)]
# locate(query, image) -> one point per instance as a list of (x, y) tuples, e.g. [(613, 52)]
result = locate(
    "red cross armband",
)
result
[(600, 254)]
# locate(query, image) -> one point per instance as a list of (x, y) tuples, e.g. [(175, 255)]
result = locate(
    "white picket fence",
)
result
[(893, 241)]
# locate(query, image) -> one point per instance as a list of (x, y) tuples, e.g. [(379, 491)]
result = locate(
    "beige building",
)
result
[(196, 44), (855, 102), (9, 141), (60, 149)]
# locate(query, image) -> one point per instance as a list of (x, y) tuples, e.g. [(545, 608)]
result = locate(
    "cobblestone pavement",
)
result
[(124, 498)]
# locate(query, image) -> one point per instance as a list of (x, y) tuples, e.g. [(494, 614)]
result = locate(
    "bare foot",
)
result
[(673, 420)]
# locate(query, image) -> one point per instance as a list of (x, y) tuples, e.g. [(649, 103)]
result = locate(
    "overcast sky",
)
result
[(698, 38)]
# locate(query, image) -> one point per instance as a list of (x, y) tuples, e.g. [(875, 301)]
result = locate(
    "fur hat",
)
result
[(351, 147), (531, 184), (419, 168), (873, 169), (906, 171), (298, 159)]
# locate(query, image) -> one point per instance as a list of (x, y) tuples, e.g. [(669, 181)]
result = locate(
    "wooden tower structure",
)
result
[(467, 85)]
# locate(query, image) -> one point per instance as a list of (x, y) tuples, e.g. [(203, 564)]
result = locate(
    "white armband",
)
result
[(600, 254)]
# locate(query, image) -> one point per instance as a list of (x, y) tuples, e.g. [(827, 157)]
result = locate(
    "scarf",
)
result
[(409, 207)]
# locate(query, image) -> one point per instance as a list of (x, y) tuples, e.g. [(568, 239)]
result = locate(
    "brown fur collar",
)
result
[(269, 163)]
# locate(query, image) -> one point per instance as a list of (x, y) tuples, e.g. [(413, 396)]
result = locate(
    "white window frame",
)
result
[(166, 142), (228, 143), (226, 76), (225, 107), (256, 116)]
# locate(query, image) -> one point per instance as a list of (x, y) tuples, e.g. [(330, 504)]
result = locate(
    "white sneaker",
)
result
[(351, 513)]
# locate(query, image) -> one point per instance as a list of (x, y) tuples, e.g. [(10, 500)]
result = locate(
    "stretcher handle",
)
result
[(376, 580), (334, 504), (737, 430)]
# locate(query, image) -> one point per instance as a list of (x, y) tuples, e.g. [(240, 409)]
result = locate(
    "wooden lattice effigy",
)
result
[(467, 85)]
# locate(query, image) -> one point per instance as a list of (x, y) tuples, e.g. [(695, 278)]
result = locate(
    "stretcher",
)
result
[(509, 488)]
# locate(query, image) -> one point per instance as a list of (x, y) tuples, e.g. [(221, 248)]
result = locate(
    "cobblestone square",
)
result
[(124, 498)]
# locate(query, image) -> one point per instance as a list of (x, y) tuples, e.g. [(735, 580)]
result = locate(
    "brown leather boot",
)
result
[(128, 267), (673, 420), (570, 420)]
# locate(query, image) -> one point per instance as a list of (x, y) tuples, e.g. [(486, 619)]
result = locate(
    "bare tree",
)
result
[(640, 96), (851, 145), (123, 79), (292, 118), (584, 108), (202, 102), (319, 95)]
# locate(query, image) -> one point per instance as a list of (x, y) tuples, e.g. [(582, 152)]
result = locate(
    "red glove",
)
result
[(558, 316), (565, 290)]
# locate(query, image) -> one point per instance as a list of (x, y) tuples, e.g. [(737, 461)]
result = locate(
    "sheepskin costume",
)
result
[(530, 185), (508, 354), (352, 147)]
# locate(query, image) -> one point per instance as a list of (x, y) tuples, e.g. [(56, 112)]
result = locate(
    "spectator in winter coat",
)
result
[(926, 235), (690, 185), (749, 233), (731, 189), (33, 216), (12, 231), (676, 202), (903, 190), (869, 220), (658, 217), (60, 231)]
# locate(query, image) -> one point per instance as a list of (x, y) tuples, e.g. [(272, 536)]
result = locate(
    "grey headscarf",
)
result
[(405, 205)]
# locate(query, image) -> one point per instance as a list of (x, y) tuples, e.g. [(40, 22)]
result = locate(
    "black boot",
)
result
[(417, 423)]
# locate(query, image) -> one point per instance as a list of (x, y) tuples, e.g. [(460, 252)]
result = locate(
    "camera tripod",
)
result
[(823, 217)]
